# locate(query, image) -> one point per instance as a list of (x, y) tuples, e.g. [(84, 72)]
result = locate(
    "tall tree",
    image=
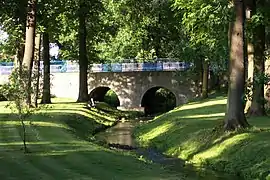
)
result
[(30, 42), (36, 69), (257, 107), (30, 34), (235, 117), (205, 79), (46, 93), (47, 19), (80, 29), (83, 61)]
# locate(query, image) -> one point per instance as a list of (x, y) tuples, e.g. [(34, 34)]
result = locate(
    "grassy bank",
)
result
[(193, 132), (59, 138)]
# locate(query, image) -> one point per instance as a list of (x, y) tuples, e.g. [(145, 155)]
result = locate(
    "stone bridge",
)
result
[(132, 88), (133, 83)]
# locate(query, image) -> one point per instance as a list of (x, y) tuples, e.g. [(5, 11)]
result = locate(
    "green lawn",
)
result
[(60, 149), (193, 132)]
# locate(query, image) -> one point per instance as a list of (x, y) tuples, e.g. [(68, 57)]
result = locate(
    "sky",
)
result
[(54, 50)]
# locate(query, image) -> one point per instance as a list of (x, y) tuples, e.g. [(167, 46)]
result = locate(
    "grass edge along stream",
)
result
[(193, 133)]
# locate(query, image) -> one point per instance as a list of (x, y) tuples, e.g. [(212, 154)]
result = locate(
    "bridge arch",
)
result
[(105, 94), (158, 99)]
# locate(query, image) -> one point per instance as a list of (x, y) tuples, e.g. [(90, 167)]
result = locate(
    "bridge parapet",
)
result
[(73, 67), (147, 66)]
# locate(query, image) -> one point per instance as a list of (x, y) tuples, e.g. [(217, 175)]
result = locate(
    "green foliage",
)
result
[(206, 24), (17, 92), (2, 97), (66, 32), (257, 80), (12, 21), (141, 29), (111, 98)]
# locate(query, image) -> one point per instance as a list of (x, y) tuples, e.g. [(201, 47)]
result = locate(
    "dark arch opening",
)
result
[(158, 100), (105, 94)]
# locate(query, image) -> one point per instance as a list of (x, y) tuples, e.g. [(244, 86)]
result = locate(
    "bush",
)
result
[(111, 99), (2, 97)]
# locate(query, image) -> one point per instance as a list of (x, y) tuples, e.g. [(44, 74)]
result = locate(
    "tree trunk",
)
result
[(46, 93), (205, 79), (213, 81), (257, 106), (37, 69), (83, 61), (20, 46), (249, 76), (235, 117), (217, 84), (19, 56), (30, 44), (198, 76), (24, 135)]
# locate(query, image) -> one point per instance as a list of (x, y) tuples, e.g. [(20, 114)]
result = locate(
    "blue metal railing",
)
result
[(69, 66)]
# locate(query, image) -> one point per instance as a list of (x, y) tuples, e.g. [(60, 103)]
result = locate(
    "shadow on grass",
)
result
[(57, 154), (64, 157), (81, 126), (248, 157), (197, 135), (63, 160)]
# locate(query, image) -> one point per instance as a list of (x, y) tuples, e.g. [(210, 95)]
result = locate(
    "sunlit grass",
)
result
[(204, 115), (158, 131), (59, 137), (220, 148), (40, 124), (204, 104), (197, 136)]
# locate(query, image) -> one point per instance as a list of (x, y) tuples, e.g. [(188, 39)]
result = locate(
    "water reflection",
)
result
[(119, 134)]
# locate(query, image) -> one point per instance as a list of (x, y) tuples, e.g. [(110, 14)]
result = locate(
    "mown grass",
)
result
[(194, 133), (59, 138)]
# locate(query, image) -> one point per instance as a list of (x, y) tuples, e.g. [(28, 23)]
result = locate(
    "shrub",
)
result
[(111, 98), (2, 97)]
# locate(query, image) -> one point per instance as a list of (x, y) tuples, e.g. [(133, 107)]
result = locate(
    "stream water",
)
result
[(120, 137)]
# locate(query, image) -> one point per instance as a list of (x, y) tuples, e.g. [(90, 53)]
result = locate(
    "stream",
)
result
[(119, 137)]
